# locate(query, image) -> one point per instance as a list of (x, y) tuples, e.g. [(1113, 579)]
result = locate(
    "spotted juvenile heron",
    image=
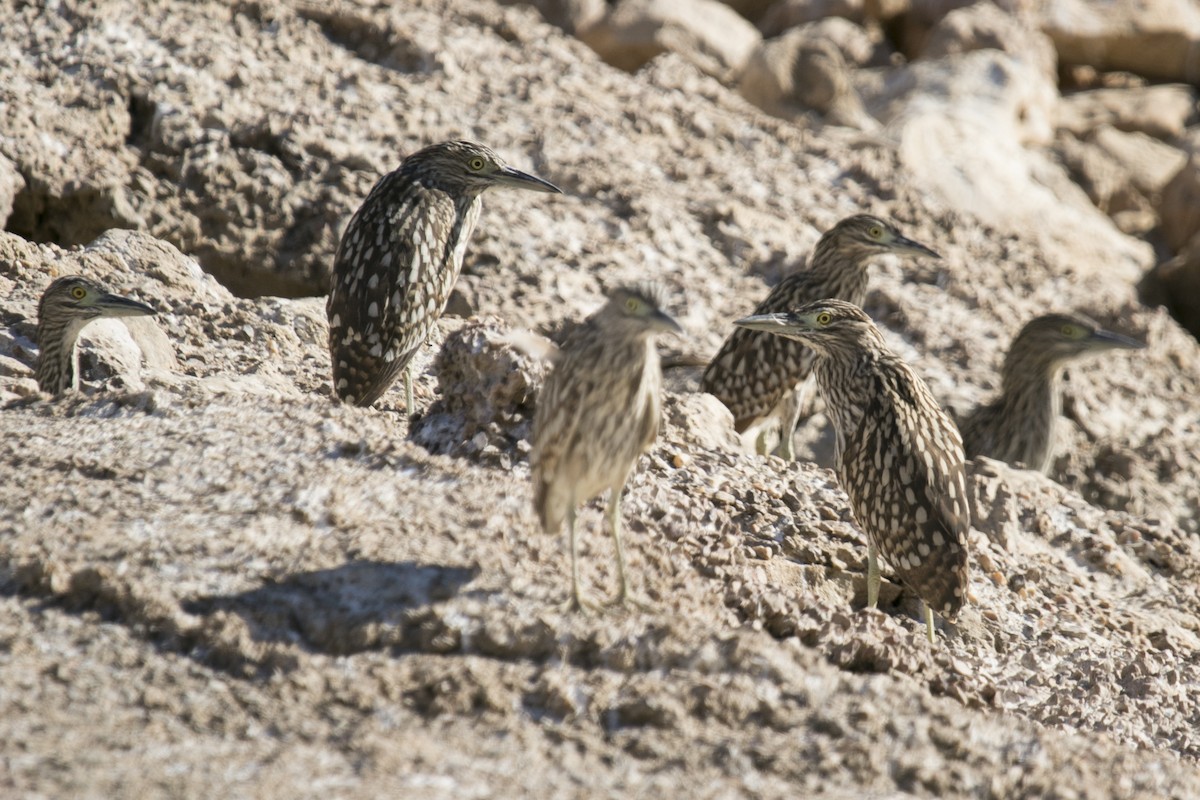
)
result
[(598, 411), (899, 457), (399, 258), (66, 307), (1020, 425), (756, 375)]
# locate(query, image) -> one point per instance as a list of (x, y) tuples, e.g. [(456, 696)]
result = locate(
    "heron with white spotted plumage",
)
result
[(755, 375), (899, 456), (399, 259)]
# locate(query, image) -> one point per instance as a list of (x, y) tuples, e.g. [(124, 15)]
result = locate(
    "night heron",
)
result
[(899, 456), (399, 258), (66, 307), (1019, 426), (598, 411), (756, 375)]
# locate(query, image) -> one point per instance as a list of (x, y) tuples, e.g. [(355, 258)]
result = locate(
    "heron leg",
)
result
[(787, 430), (929, 622), (577, 602), (408, 393), (760, 442), (614, 521), (792, 409), (872, 575)]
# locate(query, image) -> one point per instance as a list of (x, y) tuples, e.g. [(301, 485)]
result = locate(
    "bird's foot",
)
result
[(629, 602), (578, 604)]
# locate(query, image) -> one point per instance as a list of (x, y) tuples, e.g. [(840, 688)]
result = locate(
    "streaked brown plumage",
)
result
[(398, 261), (597, 413), (65, 309), (899, 456), (755, 374), (1020, 425)]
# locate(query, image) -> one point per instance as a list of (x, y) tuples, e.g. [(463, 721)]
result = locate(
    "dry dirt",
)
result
[(218, 583)]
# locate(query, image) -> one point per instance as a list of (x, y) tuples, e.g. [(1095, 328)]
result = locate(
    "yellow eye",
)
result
[(875, 232), (824, 318), (475, 164), (1070, 331), (632, 304), (79, 293)]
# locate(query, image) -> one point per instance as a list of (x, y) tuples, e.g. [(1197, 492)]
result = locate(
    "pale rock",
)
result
[(1179, 206), (983, 26), (1123, 173), (1159, 111), (1149, 162), (917, 25), (11, 185), (488, 388), (570, 15), (1158, 39), (712, 36), (701, 420), (963, 123), (108, 352), (787, 14)]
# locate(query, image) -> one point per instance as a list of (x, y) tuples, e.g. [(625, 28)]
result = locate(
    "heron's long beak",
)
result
[(508, 176), (906, 246), (774, 323), (1106, 340), (112, 305), (667, 323)]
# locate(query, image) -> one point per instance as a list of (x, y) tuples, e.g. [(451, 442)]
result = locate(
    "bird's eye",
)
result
[(1070, 331), (824, 318), (632, 304), (475, 164), (875, 232), (79, 293)]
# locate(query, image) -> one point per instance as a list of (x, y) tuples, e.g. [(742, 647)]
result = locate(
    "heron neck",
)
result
[(58, 357), (1031, 405), (842, 273)]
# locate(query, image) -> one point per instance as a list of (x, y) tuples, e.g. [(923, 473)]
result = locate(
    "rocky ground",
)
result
[(216, 582)]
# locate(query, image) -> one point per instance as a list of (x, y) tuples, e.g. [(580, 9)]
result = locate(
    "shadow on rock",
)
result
[(362, 605)]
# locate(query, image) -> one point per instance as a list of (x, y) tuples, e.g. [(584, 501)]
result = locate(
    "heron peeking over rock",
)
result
[(1021, 425), (66, 307)]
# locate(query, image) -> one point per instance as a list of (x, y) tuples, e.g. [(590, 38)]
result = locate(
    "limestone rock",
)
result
[(919, 21), (984, 25), (1160, 111), (702, 420), (11, 185), (1153, 38), (707, 33), (787, 14), (958, 104), (570, 15), (488, 389), (1179, 207), (1123, 173)]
